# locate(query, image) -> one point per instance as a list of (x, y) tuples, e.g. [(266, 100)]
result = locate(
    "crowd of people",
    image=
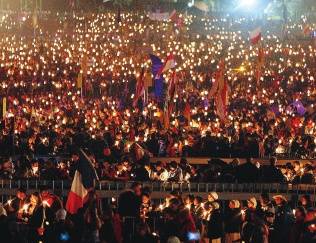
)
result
[(71, 78), (135, 218), (70, 81), (129, 169)]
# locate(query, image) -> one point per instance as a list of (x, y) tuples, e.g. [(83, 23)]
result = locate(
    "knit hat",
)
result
[(236, 203), (280, 197), (173, 239), (215, 205), (61, 214), (213, 196), (253, 201)]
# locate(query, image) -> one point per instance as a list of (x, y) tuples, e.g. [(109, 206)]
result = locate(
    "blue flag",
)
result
[(156, 67)]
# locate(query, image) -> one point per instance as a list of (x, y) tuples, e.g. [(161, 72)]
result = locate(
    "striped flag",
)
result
[(82, 183), (172, 86), (255, 36), (187, 112), (169, 64), (176, 18), (201, 6), (307, 29), (140, 87), (220, 91)]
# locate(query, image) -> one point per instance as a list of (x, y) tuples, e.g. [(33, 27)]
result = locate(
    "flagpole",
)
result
[(91, 164)]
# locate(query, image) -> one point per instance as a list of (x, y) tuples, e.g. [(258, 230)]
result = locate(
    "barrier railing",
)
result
[(114, 186)]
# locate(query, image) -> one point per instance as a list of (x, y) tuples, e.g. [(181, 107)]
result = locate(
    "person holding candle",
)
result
[(233, 222)]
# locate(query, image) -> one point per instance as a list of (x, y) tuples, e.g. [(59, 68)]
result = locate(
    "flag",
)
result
[(201, 6), (307, 29), (176, 19), (170, 63), (158, 87), (221, 101), (276, 81), (82, 183), (260, 64), (220, 91), (139, 152), (79, 81), (166, 116), (4, 107), (118, 17), (158, 16), (84, 64), (255, 36), (35, 20), (261, 56), (172, 86), (296, 107), (158, 79), (140, 87), (156, 64), (71, 3), (187, 112)]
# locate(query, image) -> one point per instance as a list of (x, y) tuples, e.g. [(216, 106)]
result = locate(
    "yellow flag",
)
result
[(4, 107), (35, 20), (84, 65), (79, 81)]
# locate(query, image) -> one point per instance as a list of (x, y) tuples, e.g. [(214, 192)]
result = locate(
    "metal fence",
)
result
[(114, 186)]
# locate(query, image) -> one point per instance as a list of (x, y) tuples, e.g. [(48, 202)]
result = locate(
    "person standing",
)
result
[(284, 219), (298, 227), (129, 203), (233, 222), (215, 229), (247, 172)]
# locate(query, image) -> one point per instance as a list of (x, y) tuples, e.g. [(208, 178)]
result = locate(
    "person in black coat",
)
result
[(142, 172), (233, 222), (143, 234), (129, 203), (271, 174), (4, 225), (284, 219), (247, 172), (215, 229), (62, 230), (308, 177)]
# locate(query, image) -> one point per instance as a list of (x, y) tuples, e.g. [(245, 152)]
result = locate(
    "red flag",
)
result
[(176, 18), (71, 3), (221, 102), (169, 63), (219, 91), (140, 87), (187, 112), (255, 36), (307, 29), (172, 86), (260, 63), (166, 117)]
